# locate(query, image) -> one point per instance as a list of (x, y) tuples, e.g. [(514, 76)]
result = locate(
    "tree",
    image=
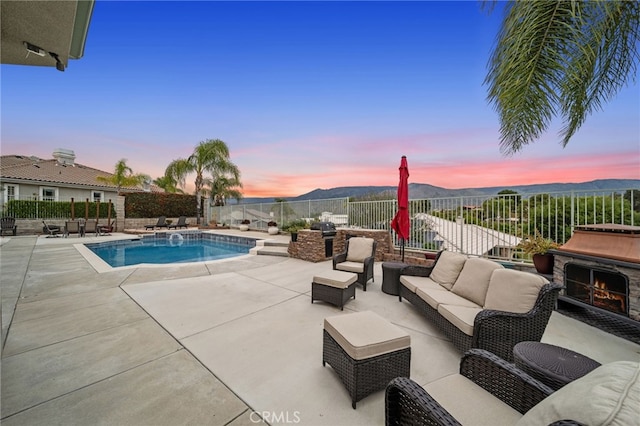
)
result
[(123, 176), (565, 57), (212, 156), (169, 184), (224, 187)]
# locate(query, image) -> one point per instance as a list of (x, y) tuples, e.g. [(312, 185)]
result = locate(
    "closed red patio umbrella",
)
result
[(400, 222)]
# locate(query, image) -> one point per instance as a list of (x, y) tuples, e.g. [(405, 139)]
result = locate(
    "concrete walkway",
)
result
[(215, 343)]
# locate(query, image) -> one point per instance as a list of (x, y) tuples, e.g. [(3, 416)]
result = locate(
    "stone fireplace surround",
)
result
[(611, 248)]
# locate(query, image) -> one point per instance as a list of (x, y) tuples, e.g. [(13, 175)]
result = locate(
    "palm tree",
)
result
[(123, 176), (169, 184), (559, 57), (224, 187), (211, 155)]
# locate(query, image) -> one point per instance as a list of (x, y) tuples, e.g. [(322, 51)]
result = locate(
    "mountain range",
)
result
[(423, 190)]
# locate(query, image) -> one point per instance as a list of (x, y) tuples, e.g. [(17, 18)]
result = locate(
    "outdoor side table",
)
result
[(391, 277), (552, 365)]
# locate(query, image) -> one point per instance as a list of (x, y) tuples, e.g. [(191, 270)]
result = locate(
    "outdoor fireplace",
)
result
[(600, 269), (607, 290)]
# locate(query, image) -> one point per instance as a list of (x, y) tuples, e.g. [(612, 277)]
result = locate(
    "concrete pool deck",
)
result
[(214, 343)]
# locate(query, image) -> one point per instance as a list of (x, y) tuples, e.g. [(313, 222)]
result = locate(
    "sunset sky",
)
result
[(306, 95)]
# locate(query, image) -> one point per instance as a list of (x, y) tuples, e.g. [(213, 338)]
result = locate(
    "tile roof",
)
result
[(37, 170)]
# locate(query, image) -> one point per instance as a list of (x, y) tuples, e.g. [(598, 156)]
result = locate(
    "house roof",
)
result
[(26, 169), (471, 239)]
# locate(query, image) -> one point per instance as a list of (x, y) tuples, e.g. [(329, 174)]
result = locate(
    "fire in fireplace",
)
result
[(607, 290)]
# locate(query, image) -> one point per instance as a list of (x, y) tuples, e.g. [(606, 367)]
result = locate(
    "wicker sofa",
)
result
[(489, 390), (478, 303)]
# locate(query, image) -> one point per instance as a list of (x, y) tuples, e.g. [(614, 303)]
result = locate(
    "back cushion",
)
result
[(513, 291), (609, 395), (448, 268), (359, 249), (473, 281)]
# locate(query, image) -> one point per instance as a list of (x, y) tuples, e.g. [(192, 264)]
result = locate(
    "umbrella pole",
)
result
[(402, 250)]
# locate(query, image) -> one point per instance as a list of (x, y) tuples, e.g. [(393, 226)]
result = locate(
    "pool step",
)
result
[(271, 248)]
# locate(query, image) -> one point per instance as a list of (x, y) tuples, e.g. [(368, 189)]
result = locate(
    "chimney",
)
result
[(64, 157)]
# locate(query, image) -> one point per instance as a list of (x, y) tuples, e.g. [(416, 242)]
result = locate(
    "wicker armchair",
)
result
[(407, 403), (359, 259), (495, 331)]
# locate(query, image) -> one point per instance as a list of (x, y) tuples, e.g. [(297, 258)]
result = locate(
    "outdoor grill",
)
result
[(328, 230)]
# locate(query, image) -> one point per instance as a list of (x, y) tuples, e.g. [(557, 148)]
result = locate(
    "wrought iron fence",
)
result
[(490, 226)]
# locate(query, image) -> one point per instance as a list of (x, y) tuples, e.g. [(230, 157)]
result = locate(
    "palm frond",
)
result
[(566, 57)]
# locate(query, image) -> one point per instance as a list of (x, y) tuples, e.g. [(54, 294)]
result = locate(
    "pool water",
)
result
[(169, 250)]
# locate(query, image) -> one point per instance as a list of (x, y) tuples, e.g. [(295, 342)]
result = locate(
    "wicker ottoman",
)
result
[(366, 351), (335, 287)]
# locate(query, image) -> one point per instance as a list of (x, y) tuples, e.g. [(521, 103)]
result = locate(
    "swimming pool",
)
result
[(171, 247)]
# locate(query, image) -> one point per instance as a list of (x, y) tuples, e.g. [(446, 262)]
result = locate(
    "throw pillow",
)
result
[(609, 395)]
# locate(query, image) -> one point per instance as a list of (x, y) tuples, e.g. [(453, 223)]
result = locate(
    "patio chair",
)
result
[(73, 227), (52, 230), (8, 225), (490, 390), (162, 223), (91, 226), (106, 229), (358, 257), (182, 223)]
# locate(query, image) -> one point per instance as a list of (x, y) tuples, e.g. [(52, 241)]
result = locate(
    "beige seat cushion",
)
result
[(336, 279), (609, 395), (469, 403), (357, 267), (435, 297), (366, 334), (462, 317), (513, 291), (359, 249), (412, 283), (473, 281), (447, 268)]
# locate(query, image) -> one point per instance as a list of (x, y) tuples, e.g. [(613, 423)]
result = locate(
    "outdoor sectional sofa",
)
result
[(478, 303)]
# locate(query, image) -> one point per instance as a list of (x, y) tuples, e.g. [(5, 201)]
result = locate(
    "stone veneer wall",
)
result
[(633, 275), (310, 246)]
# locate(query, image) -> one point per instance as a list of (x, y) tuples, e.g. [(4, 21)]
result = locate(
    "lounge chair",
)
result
[(91, 225), (106, 229), (8, 225), (52, 230), (358, 257), (162, 223), (182, 223), (73, 227)]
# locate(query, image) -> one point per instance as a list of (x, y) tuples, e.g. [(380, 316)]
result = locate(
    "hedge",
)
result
[(26, 209), (151, 204)]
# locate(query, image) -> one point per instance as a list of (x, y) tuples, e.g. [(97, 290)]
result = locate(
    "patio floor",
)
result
[(213, 343)]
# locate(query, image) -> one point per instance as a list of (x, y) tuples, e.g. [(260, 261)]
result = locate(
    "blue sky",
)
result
[(306, 95)]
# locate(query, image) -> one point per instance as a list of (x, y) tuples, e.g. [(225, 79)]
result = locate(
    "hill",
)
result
[(423, 190)]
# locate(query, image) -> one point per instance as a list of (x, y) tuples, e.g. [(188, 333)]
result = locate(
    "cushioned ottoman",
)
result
[(335, 287), (366, 351)]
